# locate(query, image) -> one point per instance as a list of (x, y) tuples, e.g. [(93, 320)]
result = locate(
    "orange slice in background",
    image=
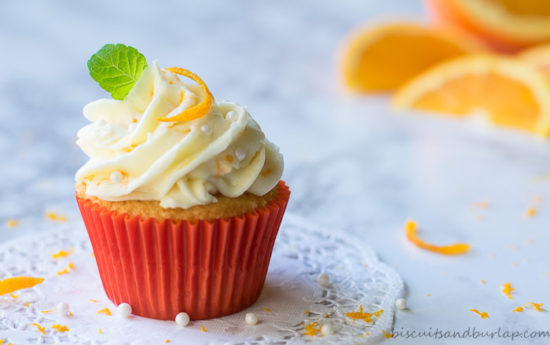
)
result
[(385, 57), (507, 25), (507, 91), (538, 57)]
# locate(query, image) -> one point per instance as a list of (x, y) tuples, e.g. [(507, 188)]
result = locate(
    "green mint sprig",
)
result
[(117, 68)]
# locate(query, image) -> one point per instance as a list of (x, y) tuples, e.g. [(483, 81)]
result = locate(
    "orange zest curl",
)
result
[(533, 305), (507, 290), (453, 249), (360, 315), (40, 328), (105, 311), (60, 328), (196, 111), (10, 285), (312, 329), (482, 315)]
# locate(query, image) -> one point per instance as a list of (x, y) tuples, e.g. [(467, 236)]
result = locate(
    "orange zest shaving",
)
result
[(40, 328), (56, 217), (360, 315), (69, 268), (196, 111), (312, 329), (507, 290), (531, 212), (387, 335), (60, 328), (14, 296), (94, 300), (482, 315), (100, 331), (518, 309), (167, 341), (267, 310), (533, 305), (105, 311), (27, 304), (47, 311), (203, 329), (62, 254), (483, 281), (12, 223), (9, 285), (453, 249)]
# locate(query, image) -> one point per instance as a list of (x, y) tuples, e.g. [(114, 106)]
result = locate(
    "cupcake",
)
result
[(181, 195)]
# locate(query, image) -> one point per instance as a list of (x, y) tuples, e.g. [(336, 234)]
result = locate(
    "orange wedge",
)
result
[(539, 57), (383, 58), (508, 91), (507, 25)]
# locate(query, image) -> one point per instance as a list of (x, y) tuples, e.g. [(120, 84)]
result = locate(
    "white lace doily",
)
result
[(292, 298)]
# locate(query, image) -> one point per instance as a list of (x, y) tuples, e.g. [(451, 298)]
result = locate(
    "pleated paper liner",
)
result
[(207, 269)]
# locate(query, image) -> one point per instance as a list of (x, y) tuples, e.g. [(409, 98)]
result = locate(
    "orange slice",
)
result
[(508, 91), (383, 58), (412, 236), (538, 57), (9, 285), (198, 110), (507, 25)]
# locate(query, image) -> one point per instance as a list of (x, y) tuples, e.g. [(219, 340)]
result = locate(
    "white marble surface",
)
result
[(352, 165)]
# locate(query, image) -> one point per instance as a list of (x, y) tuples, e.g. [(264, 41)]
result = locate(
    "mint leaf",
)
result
[(117, 67)]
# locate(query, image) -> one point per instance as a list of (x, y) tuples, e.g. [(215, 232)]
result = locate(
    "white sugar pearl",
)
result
[(251, 319), (327, 330), (63, 309), (240, 154), (182, 319), (131, 127), (124, 310), (401, 303), (116, 176), (230, 115), (323, 279), (206, 129)]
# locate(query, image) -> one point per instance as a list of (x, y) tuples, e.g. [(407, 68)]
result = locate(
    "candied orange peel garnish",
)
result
[(481, 314), (453, 249), (507, 290), (62, 253), (10, 285), (196, 111), (312, 329), (105, 311), (60, 328)]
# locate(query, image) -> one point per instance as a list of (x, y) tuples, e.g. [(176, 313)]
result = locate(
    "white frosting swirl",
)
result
[(133, 156)]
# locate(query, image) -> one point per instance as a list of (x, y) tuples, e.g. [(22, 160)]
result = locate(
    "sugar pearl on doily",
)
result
[(116, 177), (323, 279), (63, 309), (230, 115), (401, 303), (251, 319), (182, 319), (206, 129), (327, 329), (124, 310)]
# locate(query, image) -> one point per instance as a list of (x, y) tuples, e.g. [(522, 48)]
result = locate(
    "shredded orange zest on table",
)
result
[(387, 335), (378, 313), (14, 296), (531, 212), (312, 329), (94, 300), (62, 254), (196, 111), (533, 305), (454, 249), (507, 290), (100, 331), (482, 315), (9, 285), (41, 329), (167, 341), (483, 281), (70, 267), (47, 311), (360, 315), (27, 304), (12, 223), (60, 328), (203, 329), (56, 217), (2, 341), (518, 309), (306, 312), (267, 310), (105, 311)]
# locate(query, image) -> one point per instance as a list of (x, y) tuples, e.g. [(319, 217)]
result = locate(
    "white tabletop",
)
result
[(352, 165)]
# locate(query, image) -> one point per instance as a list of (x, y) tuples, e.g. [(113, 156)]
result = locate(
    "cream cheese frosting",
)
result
[(134, 156)]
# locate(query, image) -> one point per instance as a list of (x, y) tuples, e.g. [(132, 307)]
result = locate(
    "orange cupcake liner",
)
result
[(207, 269)]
